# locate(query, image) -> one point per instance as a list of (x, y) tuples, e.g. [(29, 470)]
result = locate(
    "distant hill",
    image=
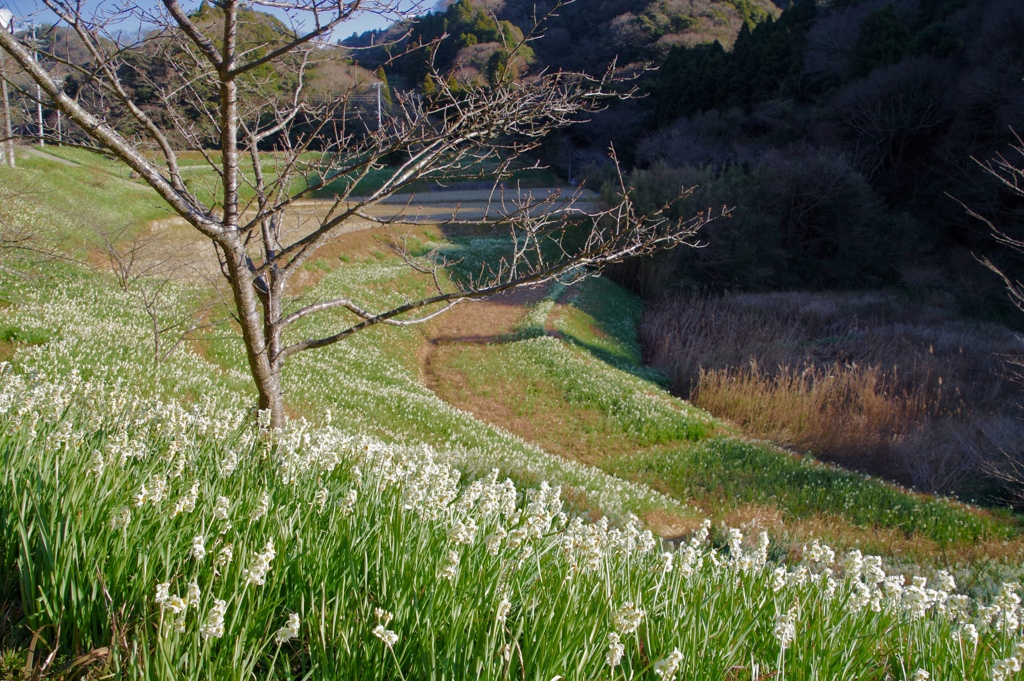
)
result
[(581, 36), (156, 66), (588, 35)]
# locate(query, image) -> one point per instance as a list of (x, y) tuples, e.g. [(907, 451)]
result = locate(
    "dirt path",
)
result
[(173, 248), (458, 337), (479, 322), (480, 204), (39, 153), (558, 431)]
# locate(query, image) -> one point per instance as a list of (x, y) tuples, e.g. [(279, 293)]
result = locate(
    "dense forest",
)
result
[(848, 135)]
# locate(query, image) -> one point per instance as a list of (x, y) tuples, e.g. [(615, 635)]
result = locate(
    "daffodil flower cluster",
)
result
[(175, 605), (289, 630), (257, 574), (397, 523), (388, 637)]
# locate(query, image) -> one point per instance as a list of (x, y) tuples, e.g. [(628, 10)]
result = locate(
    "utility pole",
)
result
[(6, 24), (39, 94), (59, 80), (8, 132), (379, 120)]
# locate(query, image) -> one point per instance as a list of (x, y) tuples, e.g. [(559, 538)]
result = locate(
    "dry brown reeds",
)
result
[(868, 380)]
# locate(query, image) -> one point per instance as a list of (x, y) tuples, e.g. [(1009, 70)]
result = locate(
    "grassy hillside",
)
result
[(149, 528), (570, 377)]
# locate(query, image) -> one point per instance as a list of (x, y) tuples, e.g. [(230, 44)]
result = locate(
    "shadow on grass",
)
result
[(610, 358)]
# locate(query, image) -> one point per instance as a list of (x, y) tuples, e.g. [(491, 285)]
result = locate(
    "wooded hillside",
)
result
[(848, 134)]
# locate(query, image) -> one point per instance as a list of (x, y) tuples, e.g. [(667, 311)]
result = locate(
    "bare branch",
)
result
[(194, 34), (629, 235), (246, 108)]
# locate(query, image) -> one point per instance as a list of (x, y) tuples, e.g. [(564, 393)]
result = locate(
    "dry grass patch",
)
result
[(671, 526), (869, 380), (858, 416)]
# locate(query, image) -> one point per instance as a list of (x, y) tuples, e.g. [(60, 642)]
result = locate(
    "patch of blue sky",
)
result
[(130, 18)]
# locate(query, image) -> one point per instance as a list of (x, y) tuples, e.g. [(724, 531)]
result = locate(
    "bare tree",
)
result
[(244, 105), (1003, 457), (1010, 174), (144, 270), (891, 110)]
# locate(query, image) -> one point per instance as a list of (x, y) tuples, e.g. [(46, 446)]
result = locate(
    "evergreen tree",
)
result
[(472, 26), (883, 40), (385, 89), (762, 59)]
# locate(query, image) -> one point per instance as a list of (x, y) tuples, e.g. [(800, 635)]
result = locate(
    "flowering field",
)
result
[(151, 528), (151, 540)]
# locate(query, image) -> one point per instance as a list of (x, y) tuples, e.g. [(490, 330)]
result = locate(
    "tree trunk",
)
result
[(265, 370), (8, 134)]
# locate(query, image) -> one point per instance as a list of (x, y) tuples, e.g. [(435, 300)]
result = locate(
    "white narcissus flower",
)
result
[(176, 604), (289, 630), (263, 419), (261, 565), (262, 507), (187, 503), (615, 650), (504, 607), (193, 594), (1006, 668), (97, 463), (389, 637), (464, 532), (143, 496), (779, 579), (945, 582), (451, 566), (785, 628), (159, 489), (224, 556), (214, 625), (199, 547), (122, 519), (222, 508), (968, 633), (493, 541), (666, 669), (628, 618), (349, 503), (320, 500), (229, 464)]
